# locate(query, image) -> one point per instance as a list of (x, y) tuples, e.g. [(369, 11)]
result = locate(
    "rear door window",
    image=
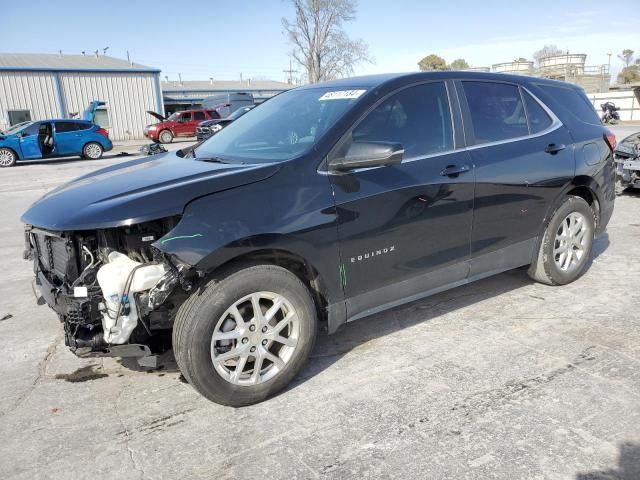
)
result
[(537, 117), (417, 117), (199, 116), (497, 112), (63, 127), (213, 114)]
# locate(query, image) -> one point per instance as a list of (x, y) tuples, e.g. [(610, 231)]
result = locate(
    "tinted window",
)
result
[(83, 126), (416, 117), (199, 116), (62, 127), (496, 111), (537, 117), (185, 117), (574, 101), (213, 114)]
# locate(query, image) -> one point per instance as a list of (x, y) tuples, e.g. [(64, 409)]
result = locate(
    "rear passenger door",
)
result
[(66, 138), (405, 229), (523, 157)]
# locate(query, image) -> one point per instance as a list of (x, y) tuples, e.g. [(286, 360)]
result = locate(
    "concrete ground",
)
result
[(504, 378)]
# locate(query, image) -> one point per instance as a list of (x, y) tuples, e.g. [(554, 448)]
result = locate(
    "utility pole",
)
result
[(609, 67), (291, 71)]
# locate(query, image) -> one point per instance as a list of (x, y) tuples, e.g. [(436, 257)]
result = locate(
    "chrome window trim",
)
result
[(556, 123)]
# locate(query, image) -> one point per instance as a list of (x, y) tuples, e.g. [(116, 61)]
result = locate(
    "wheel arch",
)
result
[(581, 186), (300, 266)]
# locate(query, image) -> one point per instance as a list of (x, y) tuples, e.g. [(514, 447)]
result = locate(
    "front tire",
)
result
[(165, 136), (92, 151), (7, 158), (566, 245), (244, 336)]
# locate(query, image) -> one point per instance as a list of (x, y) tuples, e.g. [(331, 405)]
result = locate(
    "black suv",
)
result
[(327, 204)]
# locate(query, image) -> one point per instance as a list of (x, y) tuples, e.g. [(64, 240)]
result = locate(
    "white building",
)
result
[(46, 86)]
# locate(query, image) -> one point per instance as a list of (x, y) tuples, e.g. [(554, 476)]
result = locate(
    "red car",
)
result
[(178, 124)]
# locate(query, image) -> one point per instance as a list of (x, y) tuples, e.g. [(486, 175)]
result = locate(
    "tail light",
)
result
[(104, 132), (610, 138)]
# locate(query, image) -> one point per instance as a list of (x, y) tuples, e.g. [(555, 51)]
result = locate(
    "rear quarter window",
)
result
[(573, 101)]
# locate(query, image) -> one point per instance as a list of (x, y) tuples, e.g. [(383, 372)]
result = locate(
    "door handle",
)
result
[(554, 148), (454, 170)]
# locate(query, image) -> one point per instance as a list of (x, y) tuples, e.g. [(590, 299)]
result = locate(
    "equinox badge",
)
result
[(373, 253)]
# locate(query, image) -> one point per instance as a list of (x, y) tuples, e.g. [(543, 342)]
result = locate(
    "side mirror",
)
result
[(367, 155)]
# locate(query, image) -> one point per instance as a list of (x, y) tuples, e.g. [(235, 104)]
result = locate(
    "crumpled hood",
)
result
[(137, 191)]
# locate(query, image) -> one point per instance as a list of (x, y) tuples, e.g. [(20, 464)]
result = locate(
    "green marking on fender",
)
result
[(179, 237), (343, 275)]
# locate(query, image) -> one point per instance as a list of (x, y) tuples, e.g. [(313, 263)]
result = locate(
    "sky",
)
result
[(225, 38)]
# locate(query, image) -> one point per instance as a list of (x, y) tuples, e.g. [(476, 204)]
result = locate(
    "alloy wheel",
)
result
[(571, 242), (6, 158), (255, 338), (93, 151)]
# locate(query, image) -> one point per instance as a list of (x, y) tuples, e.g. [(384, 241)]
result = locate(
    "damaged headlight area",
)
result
[(116, 294)]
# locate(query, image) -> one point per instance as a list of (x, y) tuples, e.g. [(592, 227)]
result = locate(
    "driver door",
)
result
[(184, 125), (29, 144), (405, 229)]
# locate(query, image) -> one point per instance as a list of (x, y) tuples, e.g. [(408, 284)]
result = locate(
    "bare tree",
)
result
[(320, 44), (547, 51)]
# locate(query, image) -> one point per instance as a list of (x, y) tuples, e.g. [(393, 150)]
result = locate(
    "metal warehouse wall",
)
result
[(128, 97), (34, 91)]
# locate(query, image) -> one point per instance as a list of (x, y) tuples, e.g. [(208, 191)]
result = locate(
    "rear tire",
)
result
[(216, 332), (165, 136), (566, 245), (92, 151), (7, 158)]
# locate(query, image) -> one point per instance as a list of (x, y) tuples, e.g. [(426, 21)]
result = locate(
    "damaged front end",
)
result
[(115, 293)]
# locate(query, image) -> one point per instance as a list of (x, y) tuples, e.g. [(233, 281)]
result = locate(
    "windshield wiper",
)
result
[(216, 160)]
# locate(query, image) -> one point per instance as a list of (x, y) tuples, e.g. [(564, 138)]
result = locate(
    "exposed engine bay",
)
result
[(627, 158), (115, 293)]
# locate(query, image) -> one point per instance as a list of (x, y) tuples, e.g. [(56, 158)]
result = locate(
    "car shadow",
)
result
[(628, 466), (331, 348)]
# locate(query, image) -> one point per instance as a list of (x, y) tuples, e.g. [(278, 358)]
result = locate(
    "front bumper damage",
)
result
[(109, 304)]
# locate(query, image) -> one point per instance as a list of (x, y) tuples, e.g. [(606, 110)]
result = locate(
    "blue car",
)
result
[(53, 138)]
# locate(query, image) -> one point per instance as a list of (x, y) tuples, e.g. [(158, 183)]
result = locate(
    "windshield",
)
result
[(286, 126), (17, 128), (173, 117)]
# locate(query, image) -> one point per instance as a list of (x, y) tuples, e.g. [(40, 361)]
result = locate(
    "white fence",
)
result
[(626, 101)]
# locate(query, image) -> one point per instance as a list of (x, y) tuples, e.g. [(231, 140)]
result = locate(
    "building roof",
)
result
[(64, 62), (223, 86)]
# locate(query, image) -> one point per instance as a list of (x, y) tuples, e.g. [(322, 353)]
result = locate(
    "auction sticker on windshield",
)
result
[(342, 95)]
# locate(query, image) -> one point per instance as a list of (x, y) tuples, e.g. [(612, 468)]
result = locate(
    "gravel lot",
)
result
[(504, 378)]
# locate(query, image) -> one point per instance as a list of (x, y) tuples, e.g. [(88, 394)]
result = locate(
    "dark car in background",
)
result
[(178, 124), (227, 103), (327, 204), (51, 139), (210, 127)]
